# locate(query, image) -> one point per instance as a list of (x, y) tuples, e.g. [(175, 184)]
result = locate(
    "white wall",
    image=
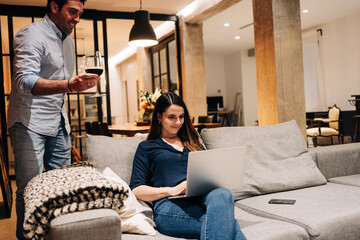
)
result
[(340, 55), (129, 75), (231, 74), (116, 100), (233, 78), (249, 89), (215, 76)]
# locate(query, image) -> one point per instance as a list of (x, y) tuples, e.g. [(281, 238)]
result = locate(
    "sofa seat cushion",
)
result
[(159, 236), (353, 180), (86, 225), (327, 212), (260, 228), (277, 157), (253, 227)]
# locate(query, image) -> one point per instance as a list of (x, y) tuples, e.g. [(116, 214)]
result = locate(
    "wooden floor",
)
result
[(8, 225)]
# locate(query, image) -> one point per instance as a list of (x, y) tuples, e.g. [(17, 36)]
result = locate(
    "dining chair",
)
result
[(332, 128), (97, 128), (205, 119), (88, 129)]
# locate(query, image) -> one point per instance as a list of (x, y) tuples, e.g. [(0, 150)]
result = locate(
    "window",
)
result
[(164, 66)]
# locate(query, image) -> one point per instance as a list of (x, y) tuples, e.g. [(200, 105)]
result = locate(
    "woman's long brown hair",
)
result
[(187, 133)]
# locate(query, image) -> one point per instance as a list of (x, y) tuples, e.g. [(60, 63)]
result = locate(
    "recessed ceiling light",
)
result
[(237, 37), (226, 24), (305, 11)]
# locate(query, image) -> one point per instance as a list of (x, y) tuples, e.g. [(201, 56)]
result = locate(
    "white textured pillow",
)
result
[(134, 214)]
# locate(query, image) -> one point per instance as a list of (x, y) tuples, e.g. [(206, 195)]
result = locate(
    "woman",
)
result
[(159, 171)]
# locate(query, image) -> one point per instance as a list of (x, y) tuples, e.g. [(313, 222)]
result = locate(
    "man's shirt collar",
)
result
[(59, 33)]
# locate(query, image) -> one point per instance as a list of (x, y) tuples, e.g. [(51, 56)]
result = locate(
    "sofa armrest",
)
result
[(338, 160), (86, 225)]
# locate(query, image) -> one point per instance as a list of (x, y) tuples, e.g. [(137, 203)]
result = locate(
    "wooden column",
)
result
[(193, 68), (278, 56), (192, 53)]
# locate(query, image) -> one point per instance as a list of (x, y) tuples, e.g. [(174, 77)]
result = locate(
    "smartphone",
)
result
[(282, 201)]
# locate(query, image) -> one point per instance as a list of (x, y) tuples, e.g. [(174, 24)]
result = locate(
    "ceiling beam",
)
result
[(206, 9)]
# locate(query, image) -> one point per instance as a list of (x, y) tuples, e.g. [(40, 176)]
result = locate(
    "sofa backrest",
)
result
[(117, 153), (338, 160), (277, 157)]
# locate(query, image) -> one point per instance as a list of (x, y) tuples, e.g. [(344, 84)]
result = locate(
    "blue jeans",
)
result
[(33, 152), (206, 217)]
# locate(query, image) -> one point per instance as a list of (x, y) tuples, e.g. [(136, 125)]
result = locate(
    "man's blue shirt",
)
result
[(41, 51), (158, 164)]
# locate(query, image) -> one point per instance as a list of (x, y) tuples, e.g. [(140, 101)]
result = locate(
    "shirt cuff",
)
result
[(30, 81)]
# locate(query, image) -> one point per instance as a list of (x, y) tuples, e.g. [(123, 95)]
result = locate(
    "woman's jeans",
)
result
[(33, 152), (206, 217)]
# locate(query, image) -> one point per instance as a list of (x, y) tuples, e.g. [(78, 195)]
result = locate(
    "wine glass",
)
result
[(94, 64)]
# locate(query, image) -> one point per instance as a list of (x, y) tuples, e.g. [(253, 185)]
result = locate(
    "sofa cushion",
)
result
[(135, 217), (260, 228), (353, 180), (327, 212), (253, 227), (159, 236), (277, 157), (91, 224), (116, 153)]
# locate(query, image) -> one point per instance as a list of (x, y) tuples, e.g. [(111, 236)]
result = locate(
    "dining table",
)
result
[(130, 129)]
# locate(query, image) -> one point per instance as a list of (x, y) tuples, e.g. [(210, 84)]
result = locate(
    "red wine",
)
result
[(94, 70)]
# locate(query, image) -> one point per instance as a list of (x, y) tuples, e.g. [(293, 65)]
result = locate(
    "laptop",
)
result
[(210, 169)]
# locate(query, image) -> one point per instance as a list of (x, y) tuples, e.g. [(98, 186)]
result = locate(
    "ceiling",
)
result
[(222, 42), (156, 6), (240, 18)]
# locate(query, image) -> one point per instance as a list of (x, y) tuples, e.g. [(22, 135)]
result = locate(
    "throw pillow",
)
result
[(134, 214), (277, 157)]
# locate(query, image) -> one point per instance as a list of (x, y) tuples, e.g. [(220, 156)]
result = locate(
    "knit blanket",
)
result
[(74, 188)]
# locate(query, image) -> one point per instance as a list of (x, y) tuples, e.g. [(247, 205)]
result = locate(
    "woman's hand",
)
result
[(178, 189), (147, 193)]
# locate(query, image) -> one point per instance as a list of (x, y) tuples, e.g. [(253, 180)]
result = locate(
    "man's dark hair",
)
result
[(60, 4)]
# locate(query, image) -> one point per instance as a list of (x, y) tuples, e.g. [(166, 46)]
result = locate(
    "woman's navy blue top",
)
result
[(158, 164)]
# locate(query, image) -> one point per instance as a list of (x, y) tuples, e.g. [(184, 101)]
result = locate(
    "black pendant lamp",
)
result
[(142, 34)]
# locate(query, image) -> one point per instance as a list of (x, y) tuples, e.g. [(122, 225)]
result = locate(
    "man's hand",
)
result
[(79, 83), (83, 82)]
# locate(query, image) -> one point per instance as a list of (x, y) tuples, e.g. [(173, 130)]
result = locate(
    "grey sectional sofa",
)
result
[(325, 182)]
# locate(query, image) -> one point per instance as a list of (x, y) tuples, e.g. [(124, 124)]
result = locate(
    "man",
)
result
[(43, 68)]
